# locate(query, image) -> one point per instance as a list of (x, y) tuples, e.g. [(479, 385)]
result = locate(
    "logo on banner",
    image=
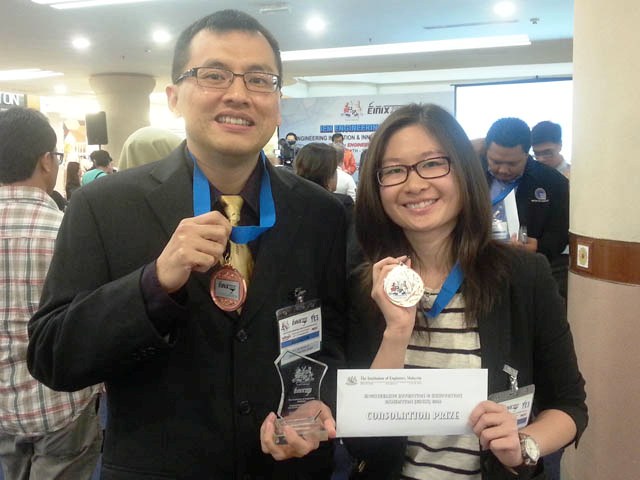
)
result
[(374, 109), (351, 110)]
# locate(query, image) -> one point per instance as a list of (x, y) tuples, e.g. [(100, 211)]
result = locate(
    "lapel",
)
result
[(171, 198), (275, 244), (495, 332)]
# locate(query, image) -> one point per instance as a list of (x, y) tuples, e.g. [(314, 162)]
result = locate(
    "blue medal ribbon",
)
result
[(448, 290), (239, 234), (503, 194)]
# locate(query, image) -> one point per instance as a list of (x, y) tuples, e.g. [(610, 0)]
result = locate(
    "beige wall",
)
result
[(604, 320), (125, 99), (604, 315), (606, 158)]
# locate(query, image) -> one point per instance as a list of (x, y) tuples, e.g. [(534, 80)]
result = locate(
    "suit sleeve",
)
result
[(555, 236), (90, 327)]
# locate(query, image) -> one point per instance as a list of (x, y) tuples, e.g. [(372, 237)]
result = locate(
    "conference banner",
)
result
[(356, 117)]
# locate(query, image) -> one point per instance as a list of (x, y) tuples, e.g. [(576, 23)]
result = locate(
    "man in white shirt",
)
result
[(546, 142), (346, 184)]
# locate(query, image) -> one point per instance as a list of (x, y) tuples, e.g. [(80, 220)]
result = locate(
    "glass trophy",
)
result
[(301, 378)]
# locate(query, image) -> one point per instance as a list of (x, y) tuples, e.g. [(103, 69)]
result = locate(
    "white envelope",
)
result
[(403, 402)]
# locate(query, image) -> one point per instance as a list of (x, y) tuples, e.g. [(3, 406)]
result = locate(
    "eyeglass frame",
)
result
[(408, 168), (193, 72), (59, 156), (547, 153)]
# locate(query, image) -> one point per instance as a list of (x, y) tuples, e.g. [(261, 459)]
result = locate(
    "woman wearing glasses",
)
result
[(423, 202)]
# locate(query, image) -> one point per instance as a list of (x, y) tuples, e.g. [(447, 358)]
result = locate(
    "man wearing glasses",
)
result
[(43, 434), (546, 142), (188, 366)]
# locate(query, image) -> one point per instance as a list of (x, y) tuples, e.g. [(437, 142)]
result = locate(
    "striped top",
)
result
[(29, 221), (448, 343)]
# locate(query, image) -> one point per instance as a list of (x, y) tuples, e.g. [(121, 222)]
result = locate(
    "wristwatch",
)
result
[(530, 449)]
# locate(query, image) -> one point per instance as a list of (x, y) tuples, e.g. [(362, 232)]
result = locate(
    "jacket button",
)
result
[(242, 336), (244, 407)]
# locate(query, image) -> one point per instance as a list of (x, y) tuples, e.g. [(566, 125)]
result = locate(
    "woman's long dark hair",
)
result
[(73, 178), (317, 162), (483, 261)]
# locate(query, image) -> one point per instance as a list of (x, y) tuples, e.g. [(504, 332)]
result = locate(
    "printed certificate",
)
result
[(388, 403)]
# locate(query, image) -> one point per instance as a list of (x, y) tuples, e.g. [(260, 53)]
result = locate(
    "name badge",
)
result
[(518, 402), (300, 327)]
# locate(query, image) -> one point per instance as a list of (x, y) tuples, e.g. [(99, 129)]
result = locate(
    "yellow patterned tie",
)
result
[(239, 254)]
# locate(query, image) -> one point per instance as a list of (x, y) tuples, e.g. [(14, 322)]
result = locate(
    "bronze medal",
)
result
[(228, 288)]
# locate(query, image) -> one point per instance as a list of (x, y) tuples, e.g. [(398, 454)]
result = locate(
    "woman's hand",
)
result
[(498, 431), (400, 320)]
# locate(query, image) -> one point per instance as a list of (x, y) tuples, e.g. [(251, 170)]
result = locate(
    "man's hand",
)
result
[(531, 244), (197, 245), (296, 446)]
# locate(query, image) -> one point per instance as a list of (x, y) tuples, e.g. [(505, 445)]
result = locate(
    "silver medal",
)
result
[(403, 286)]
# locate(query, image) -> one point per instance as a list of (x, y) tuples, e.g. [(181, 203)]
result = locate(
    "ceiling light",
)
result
[(504, 9), (411, 47), (316, 25), (27, 74), (68, 4), (279, 7), (80, 43), (161, 36)]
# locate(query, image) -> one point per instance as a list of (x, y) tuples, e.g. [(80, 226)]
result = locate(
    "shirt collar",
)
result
[(25, 193), (250, 193)]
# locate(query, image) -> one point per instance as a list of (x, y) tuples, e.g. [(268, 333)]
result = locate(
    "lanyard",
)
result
[(502, 195), (448, 290), (202, 203)]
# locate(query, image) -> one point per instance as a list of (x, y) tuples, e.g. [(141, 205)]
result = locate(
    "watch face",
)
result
[(531, 449)]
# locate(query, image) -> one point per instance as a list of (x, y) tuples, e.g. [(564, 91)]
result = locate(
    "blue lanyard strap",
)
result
[(448, 290), (503, 194), (239, 234)]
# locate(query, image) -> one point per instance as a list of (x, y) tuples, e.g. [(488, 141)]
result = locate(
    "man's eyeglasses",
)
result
[(435, 167), (220, 78), (58, 156), (543, 154)]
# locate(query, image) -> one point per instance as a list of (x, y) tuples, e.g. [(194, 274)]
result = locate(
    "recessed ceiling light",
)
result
[(316, 25), (161, 36), (60, 89), (26, 74), (504, 9), (410, 47), (80, 43)]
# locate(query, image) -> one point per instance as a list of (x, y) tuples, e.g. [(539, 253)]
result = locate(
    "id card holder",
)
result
[(300, 326), (518, 402)]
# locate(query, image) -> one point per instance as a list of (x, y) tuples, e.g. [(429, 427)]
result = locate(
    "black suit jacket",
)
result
[(542, 199), (527, 329), (191, 406)]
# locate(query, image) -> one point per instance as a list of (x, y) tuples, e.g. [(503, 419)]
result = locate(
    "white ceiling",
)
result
[(38, 36)]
